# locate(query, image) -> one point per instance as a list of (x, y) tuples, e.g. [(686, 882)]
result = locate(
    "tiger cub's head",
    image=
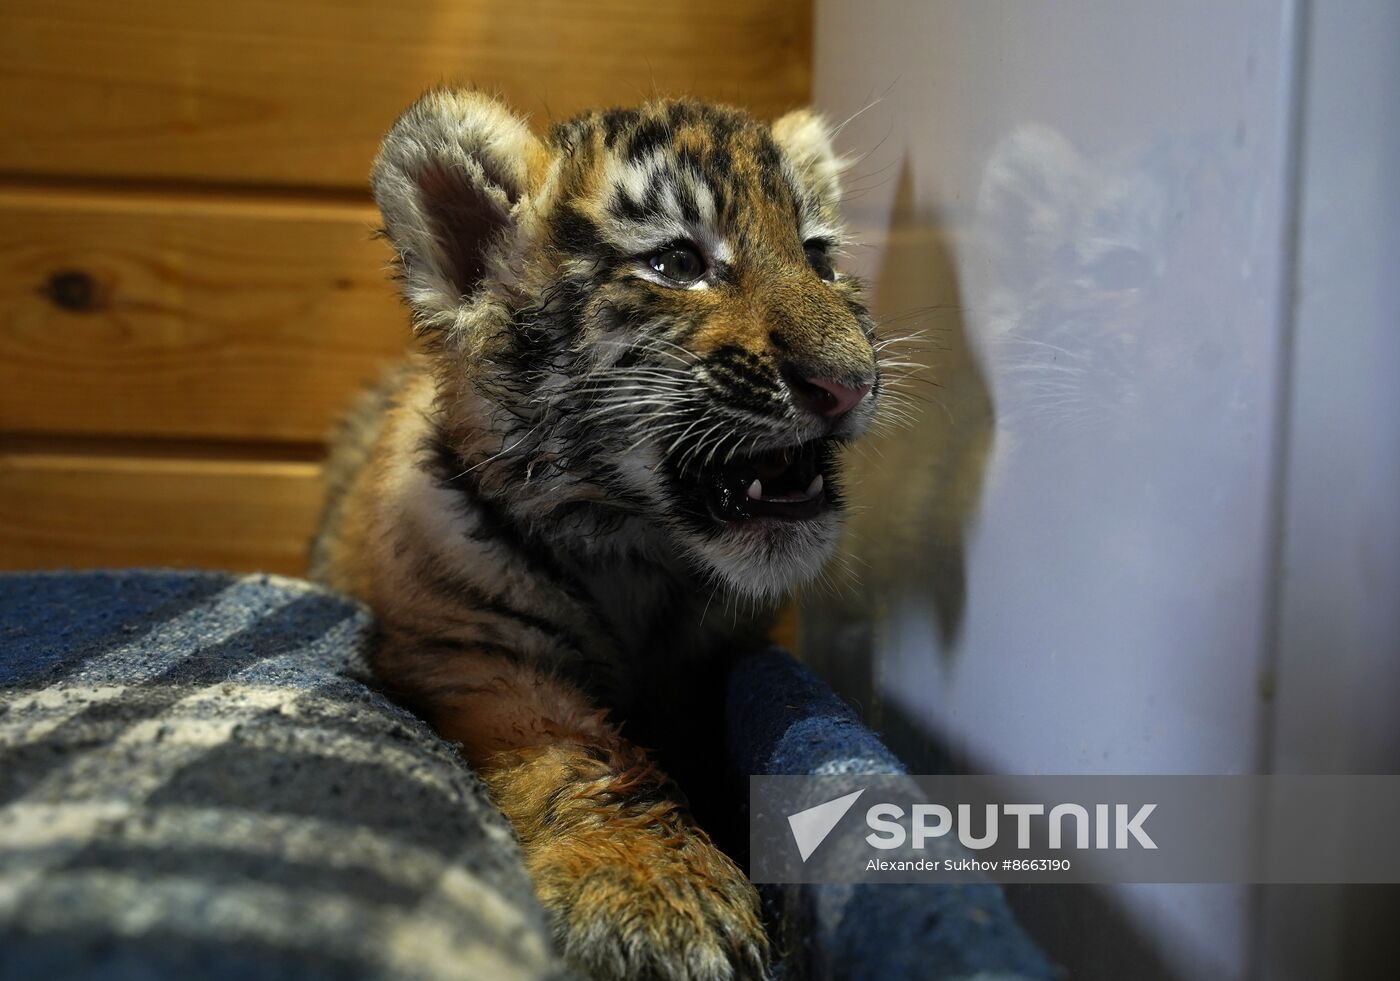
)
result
[(647, 300)]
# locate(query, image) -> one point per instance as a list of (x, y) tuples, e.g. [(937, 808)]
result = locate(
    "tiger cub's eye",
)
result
[(819, 259), (680, 263)]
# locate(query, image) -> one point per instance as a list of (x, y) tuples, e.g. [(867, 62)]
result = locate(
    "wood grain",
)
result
[(299, 93), (59, 510), (189, 294), (152, 315)]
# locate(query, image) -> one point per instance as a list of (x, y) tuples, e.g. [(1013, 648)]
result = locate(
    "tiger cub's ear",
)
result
[(448, 180), (805, 138)]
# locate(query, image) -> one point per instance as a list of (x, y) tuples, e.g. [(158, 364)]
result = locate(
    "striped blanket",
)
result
[(195, 783)]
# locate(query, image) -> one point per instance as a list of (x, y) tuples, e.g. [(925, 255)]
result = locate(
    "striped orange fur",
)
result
[(613, 456)]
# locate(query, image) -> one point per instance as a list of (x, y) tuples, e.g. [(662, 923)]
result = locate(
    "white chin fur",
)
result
[(766, 559), (769, 558)]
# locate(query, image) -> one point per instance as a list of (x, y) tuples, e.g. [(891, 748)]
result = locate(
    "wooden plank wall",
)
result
[(189, 293)]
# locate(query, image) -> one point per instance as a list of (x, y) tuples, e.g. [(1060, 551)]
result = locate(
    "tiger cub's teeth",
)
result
[(815, 487), (756, 490)]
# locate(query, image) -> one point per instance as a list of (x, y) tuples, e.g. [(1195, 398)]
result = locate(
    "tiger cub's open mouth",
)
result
[(789, 484)]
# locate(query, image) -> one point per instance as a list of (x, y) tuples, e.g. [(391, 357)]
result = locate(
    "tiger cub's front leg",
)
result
[(634, 887)]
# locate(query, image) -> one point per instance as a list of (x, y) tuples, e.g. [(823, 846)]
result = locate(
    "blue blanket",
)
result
[(195, 782)]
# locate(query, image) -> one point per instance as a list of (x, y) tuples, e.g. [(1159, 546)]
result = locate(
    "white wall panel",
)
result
[(1067, 565)]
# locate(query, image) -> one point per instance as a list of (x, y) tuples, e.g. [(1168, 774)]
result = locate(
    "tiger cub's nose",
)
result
[(824, 396)]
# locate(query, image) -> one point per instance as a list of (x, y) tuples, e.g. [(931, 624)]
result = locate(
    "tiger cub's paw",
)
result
[(629, 905)]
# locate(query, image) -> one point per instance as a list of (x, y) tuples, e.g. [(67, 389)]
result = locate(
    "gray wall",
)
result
[(1146, 521)]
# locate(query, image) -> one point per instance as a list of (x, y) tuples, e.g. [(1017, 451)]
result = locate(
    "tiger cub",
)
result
[(611, 458)]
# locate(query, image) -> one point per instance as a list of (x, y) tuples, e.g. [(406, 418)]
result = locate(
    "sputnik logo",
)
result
[(810, 827)]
